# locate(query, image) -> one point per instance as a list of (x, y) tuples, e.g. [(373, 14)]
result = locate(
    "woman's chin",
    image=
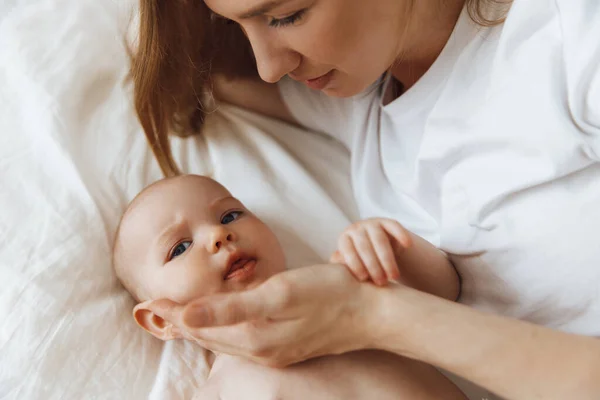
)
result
[(344, 91)]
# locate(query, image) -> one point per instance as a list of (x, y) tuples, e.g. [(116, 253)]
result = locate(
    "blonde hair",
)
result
[(180, 46)]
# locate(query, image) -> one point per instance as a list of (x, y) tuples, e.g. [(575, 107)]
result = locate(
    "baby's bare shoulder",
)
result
[(233, 378), (321, 378), (357, 375)]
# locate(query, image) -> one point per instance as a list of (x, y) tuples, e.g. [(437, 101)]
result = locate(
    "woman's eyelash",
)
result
[(289, 20)]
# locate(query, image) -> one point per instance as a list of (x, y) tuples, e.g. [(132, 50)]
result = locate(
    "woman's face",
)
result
[(337, 46)]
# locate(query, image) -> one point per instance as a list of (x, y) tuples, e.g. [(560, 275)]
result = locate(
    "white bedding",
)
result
[(71, 156)]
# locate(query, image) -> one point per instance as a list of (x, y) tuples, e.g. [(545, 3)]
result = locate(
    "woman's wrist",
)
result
[(388, 313), (399, 318)]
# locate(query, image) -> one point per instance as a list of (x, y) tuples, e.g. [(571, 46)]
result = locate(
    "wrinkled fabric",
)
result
[(72, 154)]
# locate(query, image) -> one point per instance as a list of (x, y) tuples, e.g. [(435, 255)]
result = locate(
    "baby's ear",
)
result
[(154, 324)]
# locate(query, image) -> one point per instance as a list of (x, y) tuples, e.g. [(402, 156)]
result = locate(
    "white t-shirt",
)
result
[(494, 157)]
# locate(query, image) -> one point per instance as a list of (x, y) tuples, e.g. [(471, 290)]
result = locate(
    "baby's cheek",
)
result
[(188, 284), (271, 252)]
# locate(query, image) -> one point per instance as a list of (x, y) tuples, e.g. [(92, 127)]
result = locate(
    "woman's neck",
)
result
[(426, 36)]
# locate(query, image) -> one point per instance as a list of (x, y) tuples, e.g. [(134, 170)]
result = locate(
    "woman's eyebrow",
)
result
[(262, 9)]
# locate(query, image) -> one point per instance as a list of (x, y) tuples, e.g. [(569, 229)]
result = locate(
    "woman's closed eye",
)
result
[(289, 20), (179, 249), (230, 216)]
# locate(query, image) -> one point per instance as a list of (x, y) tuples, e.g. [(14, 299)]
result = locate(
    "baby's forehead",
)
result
[(185, 183), (164, 198), (179, 189)]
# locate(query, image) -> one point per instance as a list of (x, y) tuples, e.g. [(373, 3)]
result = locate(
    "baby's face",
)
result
[(187, 237)]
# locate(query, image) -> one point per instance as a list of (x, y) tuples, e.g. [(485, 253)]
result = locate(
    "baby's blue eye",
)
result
[(179, 249), (230, 217)]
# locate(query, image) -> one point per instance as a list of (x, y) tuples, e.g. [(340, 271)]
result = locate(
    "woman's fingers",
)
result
[(233, 308), (384, 251), (167, 310), (368, 256), (258, 341), (352, 258), (221, 309), (234, 340)]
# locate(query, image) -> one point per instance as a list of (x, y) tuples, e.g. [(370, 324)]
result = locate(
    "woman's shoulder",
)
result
[(580, 24), (584, 12), (562, 37), (580, 28), (569, 19), (576, 23)]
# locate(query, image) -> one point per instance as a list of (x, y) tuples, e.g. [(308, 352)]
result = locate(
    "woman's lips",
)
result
[(321, 82), (241, 270)]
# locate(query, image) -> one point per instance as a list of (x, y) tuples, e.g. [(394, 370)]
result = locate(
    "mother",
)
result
[(474, 123)]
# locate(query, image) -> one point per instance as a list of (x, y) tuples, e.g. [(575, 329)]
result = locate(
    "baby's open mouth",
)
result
[(241, 268)]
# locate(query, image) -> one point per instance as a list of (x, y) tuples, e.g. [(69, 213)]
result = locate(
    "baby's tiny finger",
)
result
[(368, 257), (384, 251), (351, 258), (397, 231), (336, 258)]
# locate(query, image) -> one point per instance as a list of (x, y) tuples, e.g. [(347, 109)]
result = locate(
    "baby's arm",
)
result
[(383, 250)]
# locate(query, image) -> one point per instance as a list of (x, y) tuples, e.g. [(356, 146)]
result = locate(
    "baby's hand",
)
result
[(369, 249)]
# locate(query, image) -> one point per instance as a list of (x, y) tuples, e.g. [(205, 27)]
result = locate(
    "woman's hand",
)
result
[(293, 316), (323, 309)]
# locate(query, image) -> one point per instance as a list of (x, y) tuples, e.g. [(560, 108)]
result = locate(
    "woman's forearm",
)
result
[(515, 359)]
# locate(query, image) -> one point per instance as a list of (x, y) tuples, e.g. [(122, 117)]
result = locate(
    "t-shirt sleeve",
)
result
[(580, 21), (318, 112)]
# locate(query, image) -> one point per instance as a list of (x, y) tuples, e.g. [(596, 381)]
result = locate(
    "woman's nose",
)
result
[(218, 238), (273, 59)]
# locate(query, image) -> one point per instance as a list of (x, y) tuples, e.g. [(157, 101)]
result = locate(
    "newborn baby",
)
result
[(186, 237)]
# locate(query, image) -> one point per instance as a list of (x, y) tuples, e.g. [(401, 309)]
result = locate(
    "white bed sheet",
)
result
[(71, 156)]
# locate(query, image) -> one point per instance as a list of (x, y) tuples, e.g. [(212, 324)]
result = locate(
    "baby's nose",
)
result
[(218, 238)]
